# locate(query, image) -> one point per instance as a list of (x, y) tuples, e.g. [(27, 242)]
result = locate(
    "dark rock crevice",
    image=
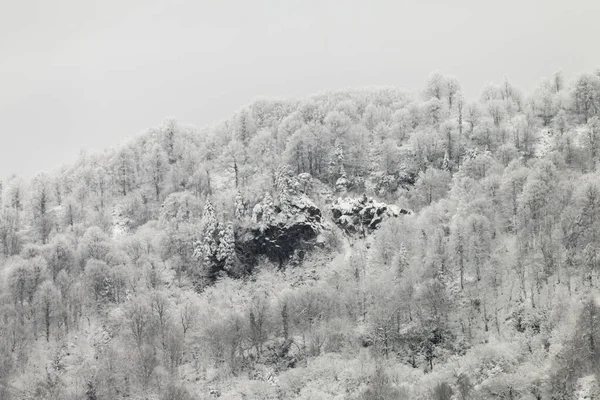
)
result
[(293, 229)]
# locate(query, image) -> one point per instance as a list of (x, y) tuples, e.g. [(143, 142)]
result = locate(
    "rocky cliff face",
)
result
[(362, 215), (290, 229), (282, 233)]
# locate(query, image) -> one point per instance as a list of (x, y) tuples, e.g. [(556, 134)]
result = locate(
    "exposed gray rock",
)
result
[(293, 229), (362, 215)]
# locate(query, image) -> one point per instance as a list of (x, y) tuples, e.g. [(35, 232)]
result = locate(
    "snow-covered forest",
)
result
[(359, 244)]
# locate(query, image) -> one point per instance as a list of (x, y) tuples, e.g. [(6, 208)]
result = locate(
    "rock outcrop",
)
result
[(279, 232), (362, 215)]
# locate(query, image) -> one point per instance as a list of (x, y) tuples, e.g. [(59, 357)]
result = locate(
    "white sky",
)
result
[(87, 74)]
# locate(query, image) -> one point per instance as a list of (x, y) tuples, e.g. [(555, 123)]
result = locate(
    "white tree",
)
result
[(338, 124), (586, 96), (157, 165), (41, 206), (240, 207), (435, 86), (208, 245), (268, 209), (244, 126), (453, 90), (47, 301), (124, 170), (14, 193), (226, 249)]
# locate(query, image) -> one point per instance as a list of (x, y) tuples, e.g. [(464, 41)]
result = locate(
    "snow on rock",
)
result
[(291, 229), (342, 184), (587, 388), (362, 214), (304, 182)]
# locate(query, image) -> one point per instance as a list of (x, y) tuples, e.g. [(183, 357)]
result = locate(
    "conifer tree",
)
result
[(207, 247), (446, 162), (226, 249), (240, 207), (285, 187), (268, 209)]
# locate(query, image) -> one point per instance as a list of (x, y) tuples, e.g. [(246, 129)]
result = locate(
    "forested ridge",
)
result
[(357, 244)]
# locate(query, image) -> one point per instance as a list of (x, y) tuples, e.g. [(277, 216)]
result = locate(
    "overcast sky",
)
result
[(81, 74)]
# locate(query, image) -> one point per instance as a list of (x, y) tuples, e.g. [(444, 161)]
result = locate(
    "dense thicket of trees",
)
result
[(120, 279)]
